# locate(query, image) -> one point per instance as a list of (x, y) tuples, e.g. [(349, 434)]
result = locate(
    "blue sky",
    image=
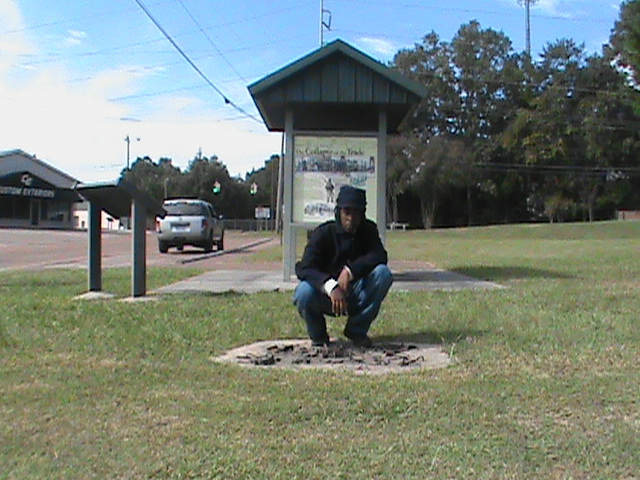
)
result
[(76, 78)]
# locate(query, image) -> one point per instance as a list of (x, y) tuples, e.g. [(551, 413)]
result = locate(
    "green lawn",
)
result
[(545, 382)]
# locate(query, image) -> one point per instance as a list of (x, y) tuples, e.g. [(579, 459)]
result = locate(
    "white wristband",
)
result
[(329, 285)]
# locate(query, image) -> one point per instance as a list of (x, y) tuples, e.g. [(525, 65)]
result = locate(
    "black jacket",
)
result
[(330, 248)]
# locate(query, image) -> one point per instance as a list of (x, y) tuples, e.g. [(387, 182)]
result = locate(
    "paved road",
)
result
[(234, 269), (41, 249)]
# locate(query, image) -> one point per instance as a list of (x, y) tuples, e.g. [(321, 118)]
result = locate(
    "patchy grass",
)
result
[(545, 384)]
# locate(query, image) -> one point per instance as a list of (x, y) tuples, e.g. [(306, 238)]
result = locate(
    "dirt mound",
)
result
[(381, 358)]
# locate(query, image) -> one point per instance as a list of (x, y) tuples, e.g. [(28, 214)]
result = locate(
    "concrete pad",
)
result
[(222, 281), (145, 298), (437, 279), (243, 281), (95, 296)]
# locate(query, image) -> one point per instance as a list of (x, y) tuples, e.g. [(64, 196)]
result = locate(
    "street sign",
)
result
[(263, 212)]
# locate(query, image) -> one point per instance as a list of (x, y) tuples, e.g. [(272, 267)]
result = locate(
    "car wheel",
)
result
[(220, 243), (163, 247), (208, 245)]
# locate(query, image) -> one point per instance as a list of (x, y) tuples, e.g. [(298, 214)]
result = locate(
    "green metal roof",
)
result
[(336, 87), (115, 197)]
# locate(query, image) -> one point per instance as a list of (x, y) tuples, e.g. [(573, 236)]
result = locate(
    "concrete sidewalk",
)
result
[(246, 281)]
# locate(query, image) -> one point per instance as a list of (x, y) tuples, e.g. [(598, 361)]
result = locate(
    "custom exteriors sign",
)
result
[(24, 184)]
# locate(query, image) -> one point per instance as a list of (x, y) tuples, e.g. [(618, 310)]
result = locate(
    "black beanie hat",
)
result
[(352, 197)]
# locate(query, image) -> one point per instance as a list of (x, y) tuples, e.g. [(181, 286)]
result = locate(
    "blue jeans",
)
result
[(363, 299)]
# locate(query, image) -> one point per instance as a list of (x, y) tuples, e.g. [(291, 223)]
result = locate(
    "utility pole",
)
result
[(128, 140), (527, 4)]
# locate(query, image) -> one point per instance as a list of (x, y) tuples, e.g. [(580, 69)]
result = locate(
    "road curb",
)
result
[(205, 256)]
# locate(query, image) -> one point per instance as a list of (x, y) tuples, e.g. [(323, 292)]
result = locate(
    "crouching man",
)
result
[(343, 271)]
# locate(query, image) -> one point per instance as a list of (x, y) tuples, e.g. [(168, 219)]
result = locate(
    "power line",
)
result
[(586, 170), (43, 58), (193, 65), (474, 11), (154, 94), (211, 42), (67, 20), (39, 59), (288, 9)]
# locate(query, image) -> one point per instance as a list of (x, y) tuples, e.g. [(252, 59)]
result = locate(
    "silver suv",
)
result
[(189, 222)]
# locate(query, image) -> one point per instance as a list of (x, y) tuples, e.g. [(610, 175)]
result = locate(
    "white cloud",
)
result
[(13, 44), (555, 8), (569, 9), (381, 47), (79, 127), (114, 83), (548, 6), (81, 132), (10, 16), (77, 34), (75, 38), (236, 144), (141, 71)]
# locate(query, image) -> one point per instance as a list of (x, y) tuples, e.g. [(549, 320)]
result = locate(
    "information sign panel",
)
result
[(323, 164)]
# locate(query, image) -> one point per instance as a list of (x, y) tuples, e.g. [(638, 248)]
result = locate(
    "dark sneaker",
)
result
[(321, 342), (359, 340)]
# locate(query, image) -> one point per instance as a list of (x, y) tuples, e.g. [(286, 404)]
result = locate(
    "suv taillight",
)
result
[(157, 225), (204, 224)]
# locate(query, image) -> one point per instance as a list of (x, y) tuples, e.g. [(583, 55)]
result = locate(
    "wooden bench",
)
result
[(397, 225)]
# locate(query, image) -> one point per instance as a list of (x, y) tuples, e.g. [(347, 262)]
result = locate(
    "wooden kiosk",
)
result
[(336, 107), (120, 199)]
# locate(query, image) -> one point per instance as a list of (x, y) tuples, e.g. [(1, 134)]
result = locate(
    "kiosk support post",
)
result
[(95, 248), (381, 173), (138, 280), (289, 232)]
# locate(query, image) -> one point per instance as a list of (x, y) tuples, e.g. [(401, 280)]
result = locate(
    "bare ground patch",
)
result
[(384, 357)]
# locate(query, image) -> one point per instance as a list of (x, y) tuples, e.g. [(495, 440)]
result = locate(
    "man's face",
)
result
[(350, 218)]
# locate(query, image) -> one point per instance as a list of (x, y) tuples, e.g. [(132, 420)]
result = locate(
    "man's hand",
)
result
[(338, 301), (344, 279)]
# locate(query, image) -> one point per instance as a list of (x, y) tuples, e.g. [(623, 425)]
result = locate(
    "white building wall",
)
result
[(107, 222)]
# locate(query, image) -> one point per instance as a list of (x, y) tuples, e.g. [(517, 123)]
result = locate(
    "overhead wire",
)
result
[(153, 94), (203, 31), (48, 57), (474, 11), (53, 57), (193, 65), (66, 20), (286, 9), (211, 42), (537, 168)]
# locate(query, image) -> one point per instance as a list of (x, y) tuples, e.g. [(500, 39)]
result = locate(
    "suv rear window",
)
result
[(186, 209)]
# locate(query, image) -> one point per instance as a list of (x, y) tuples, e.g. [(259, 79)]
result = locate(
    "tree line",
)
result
[(235, 198), (499, 138)]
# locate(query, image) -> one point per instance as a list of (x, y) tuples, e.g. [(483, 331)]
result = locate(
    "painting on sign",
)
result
[(322, 165)]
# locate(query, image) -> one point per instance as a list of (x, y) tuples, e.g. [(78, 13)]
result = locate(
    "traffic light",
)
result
[(254, 188), (216, 187)]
